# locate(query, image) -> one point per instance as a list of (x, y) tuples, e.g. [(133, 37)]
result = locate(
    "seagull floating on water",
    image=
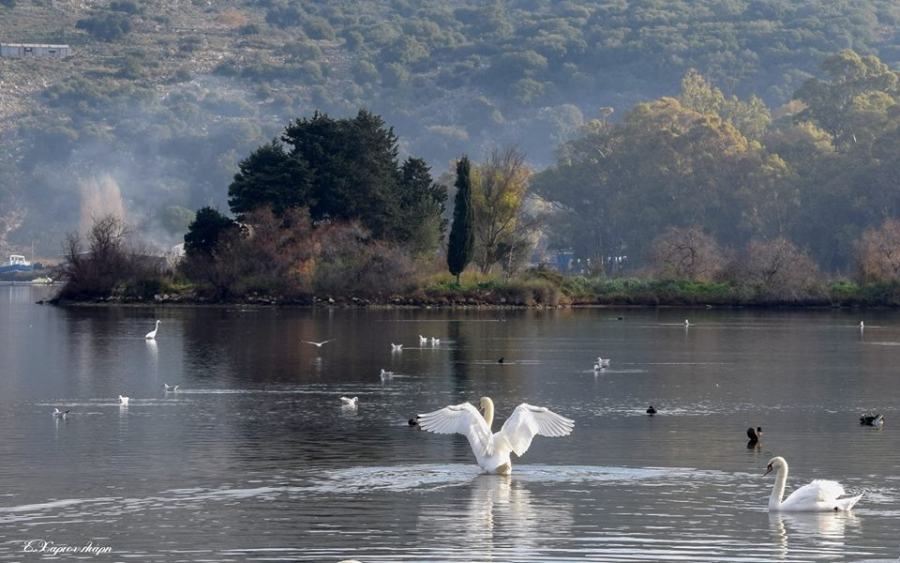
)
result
[(317, 344), (493, 450), (819, 496), (601, 363), (396, 347), (123, 401), (152, 334), (60, 414), (349, 402), (171, 389)]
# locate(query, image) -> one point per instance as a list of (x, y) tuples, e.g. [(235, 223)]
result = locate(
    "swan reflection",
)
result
[(820, 531), (501, 513)]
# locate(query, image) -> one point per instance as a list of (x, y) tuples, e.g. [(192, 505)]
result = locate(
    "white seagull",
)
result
[(123, 401), (396, 347), (601, 363), (318, 344), (152, 334), (819, 496), (60, 414), (171, 388), (493, 450), (349, 402)]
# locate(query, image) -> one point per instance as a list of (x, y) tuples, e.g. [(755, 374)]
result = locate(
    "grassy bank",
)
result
[(537, 288)]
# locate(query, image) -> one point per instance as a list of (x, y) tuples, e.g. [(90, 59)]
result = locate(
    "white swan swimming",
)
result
[(435, 341), (493, 450), (349, 402), (152, 334), (124, 400), (819, 496), (396, 347), (386, 374), (601, 363), (423, 339)]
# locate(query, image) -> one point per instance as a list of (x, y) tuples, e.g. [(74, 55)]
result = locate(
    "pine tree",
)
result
[(461, 246)]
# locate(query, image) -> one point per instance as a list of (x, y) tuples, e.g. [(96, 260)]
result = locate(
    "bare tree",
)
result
[(686, 254), (878, 252), (781, 268)]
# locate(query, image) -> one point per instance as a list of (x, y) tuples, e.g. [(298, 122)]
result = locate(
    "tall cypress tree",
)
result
[(461, 246)]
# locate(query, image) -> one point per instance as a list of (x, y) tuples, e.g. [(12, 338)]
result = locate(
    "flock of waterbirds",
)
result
[(125, 401), (493, 450)]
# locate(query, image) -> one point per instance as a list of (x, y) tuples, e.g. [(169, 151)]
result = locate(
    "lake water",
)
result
[(254, 458)]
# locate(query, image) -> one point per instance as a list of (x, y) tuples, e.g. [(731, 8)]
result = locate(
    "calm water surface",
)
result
[(254, 458)]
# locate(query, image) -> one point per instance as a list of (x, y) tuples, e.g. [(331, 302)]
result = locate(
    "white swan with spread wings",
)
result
[(493, 450)]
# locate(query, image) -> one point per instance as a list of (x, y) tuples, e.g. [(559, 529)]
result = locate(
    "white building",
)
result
[(41, 50)]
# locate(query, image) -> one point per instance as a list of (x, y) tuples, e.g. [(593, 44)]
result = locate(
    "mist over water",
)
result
[(255, 458)]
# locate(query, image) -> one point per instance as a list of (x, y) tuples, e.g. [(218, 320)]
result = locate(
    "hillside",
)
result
[(162, 98)]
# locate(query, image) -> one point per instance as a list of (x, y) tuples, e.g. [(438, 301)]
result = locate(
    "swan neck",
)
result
[(778, 488), (488, 411)]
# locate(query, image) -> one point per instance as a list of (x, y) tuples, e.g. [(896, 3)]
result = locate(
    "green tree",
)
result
[(461, 245), (269, 177), (830, 103), (498, 194), (422, 202), (204, 232)]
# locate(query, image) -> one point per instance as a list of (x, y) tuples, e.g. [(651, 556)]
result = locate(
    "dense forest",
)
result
[(711, 142), (700, 189), (161, 100)]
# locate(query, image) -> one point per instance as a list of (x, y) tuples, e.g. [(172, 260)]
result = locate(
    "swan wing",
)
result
[(819, 494), (461, 419), (528, 421)]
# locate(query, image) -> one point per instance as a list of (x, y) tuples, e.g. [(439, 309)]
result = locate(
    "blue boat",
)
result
[(17, 263)]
